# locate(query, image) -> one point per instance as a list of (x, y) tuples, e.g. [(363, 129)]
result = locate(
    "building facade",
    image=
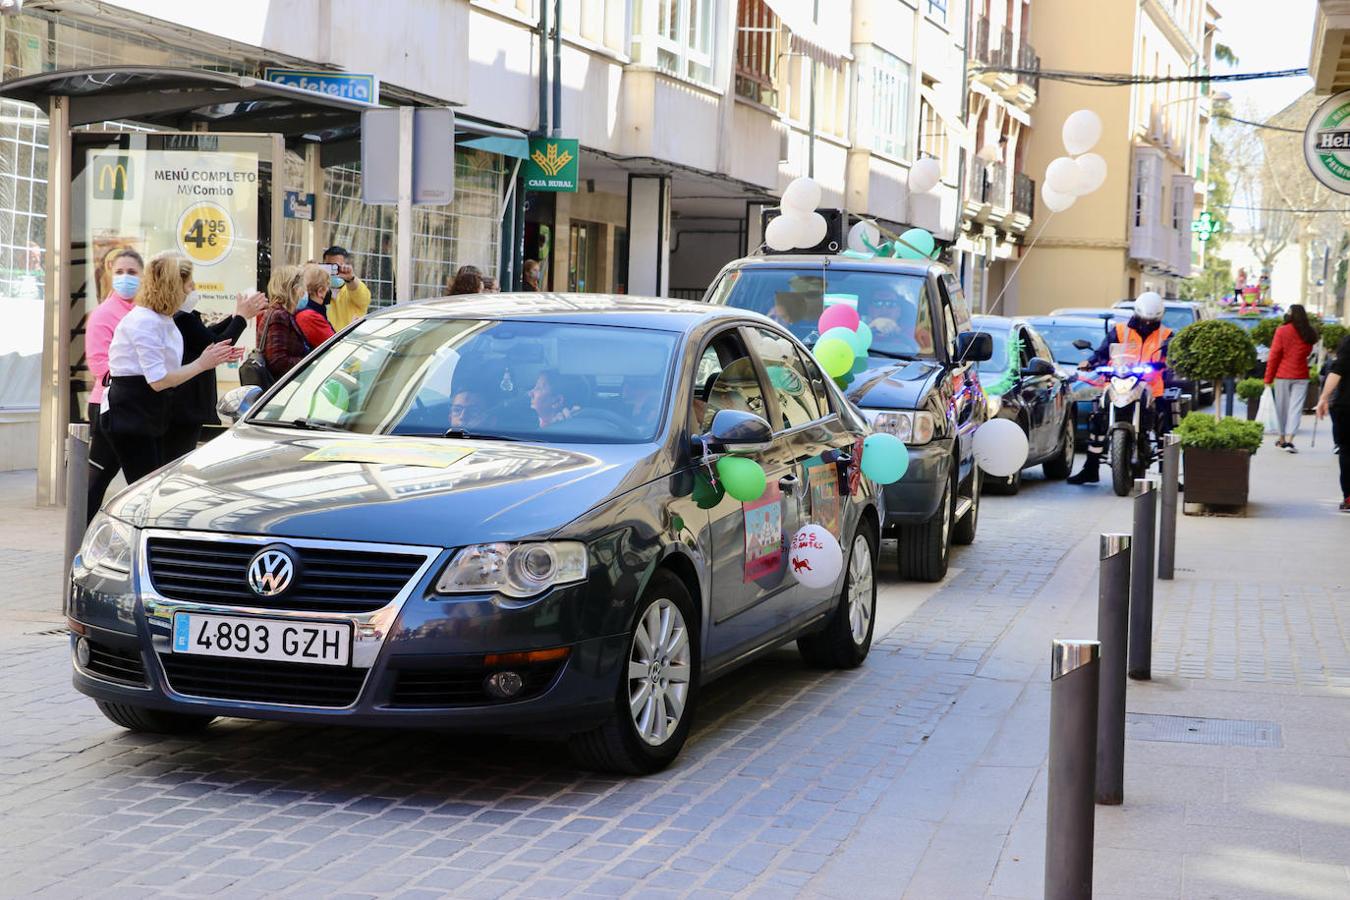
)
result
[(1134, 233)]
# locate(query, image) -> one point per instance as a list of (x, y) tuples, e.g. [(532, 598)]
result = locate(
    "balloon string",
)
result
[(993, 310)]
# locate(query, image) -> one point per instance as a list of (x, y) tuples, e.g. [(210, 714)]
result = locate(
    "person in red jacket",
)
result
[(1287, 372), (311, 314)]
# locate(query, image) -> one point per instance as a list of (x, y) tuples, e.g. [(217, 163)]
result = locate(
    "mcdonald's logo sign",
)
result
[(112, 178)]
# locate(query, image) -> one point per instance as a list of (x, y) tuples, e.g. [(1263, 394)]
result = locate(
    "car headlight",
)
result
[(514, 570), (107, 545), (910, 427)]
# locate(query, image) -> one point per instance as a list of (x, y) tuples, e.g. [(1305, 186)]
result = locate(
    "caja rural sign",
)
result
[(553, 164), (1326, 143)]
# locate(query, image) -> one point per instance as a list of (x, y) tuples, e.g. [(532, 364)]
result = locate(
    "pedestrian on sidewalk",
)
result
[(1287, 371), (125, 270), (194, 401), (282, 342), (467, 282), (1336, 403), (145, 362), (350, 298), (311, 312)]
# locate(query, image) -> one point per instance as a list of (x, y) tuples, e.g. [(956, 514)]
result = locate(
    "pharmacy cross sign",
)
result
[(1206, 226), (553, 165)]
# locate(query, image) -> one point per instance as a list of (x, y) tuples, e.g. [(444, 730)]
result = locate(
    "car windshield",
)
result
[(999, 361), (1061, 338), (510, 379), (1247, 322), (895, 306), (1174, 317)]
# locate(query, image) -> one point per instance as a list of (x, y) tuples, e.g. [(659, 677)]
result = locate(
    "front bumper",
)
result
[(915, 498)]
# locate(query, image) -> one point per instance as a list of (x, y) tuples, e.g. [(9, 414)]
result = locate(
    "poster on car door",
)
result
[(823, 481), (764, 537), (203, 204)]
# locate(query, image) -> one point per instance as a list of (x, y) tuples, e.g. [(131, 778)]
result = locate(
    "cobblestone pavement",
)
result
[(920, 774)]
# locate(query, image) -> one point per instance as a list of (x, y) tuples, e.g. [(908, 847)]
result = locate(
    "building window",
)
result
[(676, 36), (933, 138), (937, 9), (757, 35), (583, 257), (888, 77)]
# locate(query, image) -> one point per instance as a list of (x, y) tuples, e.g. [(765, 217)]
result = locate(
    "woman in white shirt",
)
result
[(145, 364)]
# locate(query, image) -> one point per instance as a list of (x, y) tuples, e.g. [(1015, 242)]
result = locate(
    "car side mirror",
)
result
[(1082, 344), (974, 346), (734, 431), (238, 401), (1038, 368)]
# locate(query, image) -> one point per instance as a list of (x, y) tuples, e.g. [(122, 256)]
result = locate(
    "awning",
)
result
[(471, 132), (827, 42), (955, 126)]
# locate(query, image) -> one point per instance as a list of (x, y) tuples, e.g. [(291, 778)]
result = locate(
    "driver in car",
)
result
[(468, 408), (891, 316), (556, 397)]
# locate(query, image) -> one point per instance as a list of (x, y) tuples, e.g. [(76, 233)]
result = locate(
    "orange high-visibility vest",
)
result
[(1146, 350)]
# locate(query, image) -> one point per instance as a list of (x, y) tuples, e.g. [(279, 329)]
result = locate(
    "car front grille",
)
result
[(257, 681), (463, 686), (116, 664), (328, 579)]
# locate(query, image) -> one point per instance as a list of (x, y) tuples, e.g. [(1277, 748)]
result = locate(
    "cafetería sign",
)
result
[(1326, 143)]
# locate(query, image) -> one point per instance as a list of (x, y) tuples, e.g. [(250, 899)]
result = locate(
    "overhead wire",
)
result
[(1111, 79)]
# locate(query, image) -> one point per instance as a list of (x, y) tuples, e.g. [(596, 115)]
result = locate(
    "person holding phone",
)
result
[(350, 297)]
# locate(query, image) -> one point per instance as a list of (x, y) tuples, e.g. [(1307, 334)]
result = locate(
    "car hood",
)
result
[(892, 385), (447, 493)]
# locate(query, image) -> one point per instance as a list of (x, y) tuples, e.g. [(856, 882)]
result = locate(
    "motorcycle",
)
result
[(1132, 417)]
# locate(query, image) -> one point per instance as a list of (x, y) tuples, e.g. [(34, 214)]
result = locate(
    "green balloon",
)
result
[(834, 355), (917, 244), (337, 394), (864, 336), (706, 494), (742, 478)]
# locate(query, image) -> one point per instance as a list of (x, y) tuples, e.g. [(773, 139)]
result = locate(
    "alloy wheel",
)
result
[(659, 672), (860, 593), (948, 503)]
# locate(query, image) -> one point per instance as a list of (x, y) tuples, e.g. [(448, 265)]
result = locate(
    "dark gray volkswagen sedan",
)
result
[(499, 515)]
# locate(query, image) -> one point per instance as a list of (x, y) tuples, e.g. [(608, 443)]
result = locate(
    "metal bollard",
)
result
[(1073, 762), (1113, 617), (1141, 579), (1167, 524), (77, 498)]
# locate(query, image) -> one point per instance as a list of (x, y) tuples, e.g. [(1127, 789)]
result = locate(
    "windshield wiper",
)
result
[(309, 425), (465, 435)]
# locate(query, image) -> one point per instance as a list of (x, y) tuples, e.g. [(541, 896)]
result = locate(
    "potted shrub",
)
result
[(1212, 350), (1332, 335), (1217, 458), (1314, 389), (1250, 390)]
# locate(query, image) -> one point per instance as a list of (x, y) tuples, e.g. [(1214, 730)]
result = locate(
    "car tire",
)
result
[(1004, 487), (153, 721), (924, 551), (1061, 466), (847, 636), (964, 532), (1122, 462), (640, 741)]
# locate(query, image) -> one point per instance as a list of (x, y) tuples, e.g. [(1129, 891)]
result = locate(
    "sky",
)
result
[(1266, 35)]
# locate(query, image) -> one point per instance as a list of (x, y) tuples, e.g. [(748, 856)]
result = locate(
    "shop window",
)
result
[(583, 257)]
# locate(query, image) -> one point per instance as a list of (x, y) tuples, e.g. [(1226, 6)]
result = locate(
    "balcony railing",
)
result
[(975, 186), (1005, 54), (757, 36), (1028, 60), (1024, 195), (988, 183), (982, 40)]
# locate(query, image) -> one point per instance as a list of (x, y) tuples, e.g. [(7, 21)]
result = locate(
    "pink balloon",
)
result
[(840, 315)]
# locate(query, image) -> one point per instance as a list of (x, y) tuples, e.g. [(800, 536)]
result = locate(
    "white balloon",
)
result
[(811, 230), (803, 195), (1091, 173), (1054, 200), (1062, 176), (781, 234), (1082, 130), (1001, 448), (924, 175), (863, 228), (816, 557)]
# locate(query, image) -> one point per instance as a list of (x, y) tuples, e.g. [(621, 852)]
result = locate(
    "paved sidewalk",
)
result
[(920, 775)]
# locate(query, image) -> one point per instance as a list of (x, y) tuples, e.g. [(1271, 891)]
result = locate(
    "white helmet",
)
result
[(1149, 306)]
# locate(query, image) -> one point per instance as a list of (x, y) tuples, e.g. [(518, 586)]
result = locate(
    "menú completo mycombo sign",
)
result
[(1326, 143)]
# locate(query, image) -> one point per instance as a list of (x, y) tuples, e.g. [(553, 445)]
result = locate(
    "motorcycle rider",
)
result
[(1144, 338)]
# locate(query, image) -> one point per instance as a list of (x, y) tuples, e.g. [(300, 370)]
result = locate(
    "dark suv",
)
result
[(919, 381)]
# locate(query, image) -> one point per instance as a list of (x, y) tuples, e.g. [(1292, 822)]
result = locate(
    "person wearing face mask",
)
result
[(194, 401), (125, 269), (145, 364), (311, 313), (350, 297)]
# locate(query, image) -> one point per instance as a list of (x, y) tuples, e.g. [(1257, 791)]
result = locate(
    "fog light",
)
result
[(504, 685), (82, 652)]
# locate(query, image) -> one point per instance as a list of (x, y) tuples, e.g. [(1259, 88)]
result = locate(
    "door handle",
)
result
[(788, 484)]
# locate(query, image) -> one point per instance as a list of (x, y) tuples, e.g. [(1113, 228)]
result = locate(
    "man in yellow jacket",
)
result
[(349, 298)]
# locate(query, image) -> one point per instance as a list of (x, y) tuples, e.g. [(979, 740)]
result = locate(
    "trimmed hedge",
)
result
[(1212, 350), (1202, 431), (1250, 388)]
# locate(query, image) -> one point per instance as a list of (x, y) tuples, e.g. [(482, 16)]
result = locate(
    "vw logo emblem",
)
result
[(271, 571)]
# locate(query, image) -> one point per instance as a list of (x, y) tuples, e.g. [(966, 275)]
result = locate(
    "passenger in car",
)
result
[(556, 397), (642, 396)]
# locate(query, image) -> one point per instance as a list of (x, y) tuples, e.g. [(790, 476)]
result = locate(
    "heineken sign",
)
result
[(1326, 143), (553, 164)]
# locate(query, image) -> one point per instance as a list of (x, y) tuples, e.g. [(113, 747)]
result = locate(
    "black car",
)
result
[(493, 514), (918, 381), (1021, 384)]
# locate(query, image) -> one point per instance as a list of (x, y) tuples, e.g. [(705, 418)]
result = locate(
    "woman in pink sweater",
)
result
[(125, 271), (1287, 372)]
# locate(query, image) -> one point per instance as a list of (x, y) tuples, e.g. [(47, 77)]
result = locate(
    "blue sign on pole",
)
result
[(298, 206), (347, 85)]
